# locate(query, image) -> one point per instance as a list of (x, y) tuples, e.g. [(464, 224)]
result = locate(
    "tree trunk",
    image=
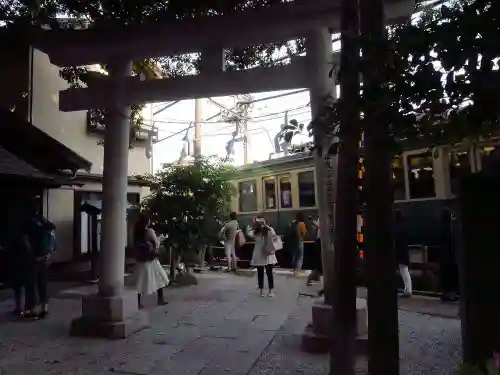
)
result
[(343, 350), (381, 261)]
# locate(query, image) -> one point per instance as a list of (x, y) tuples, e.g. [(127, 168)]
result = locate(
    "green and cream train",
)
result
[(425, 181)]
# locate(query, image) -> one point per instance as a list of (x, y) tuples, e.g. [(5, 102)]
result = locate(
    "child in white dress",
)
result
[(149, 274)]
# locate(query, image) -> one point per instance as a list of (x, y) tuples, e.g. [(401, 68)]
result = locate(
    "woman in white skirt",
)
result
[(150, 275), (261, 258)]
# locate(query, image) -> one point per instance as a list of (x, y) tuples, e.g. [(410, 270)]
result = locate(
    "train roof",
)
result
[(294, 160), (305, 159)]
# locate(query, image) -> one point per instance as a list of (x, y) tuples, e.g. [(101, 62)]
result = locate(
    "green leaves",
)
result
[(442, 77), (187, 204), (443, 74)]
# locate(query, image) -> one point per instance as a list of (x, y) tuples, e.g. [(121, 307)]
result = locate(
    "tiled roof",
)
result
[(36, 147), (11, 165)]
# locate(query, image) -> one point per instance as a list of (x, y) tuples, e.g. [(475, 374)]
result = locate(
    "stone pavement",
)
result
[(221, 326)]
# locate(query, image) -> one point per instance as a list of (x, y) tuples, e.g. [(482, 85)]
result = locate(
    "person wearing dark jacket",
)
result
[(317, 270), (33, 232), (402, 254), (447, 259), (37, 278), (17, 261)]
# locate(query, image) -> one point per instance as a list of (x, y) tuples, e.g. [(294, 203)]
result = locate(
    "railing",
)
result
[(95, 125)]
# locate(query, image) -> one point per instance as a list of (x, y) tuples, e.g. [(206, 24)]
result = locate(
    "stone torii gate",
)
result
[(113, 312)]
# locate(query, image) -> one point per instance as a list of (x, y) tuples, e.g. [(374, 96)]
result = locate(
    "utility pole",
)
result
[(285, 151), (198, 103), (242, 109), (245, 141), (383, 332)]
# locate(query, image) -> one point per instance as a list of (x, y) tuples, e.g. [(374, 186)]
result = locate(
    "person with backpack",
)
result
[(294, 240), (16, 262), (39, 242), (229, 234)]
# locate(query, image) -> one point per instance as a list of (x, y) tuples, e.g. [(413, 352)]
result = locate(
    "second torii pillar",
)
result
[(316, 337), (113, 312)]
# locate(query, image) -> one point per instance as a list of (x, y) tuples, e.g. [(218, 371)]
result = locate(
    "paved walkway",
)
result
[(220, 326)]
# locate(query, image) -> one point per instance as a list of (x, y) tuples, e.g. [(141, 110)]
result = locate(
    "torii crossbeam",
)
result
[(209, 35), (286, 21)]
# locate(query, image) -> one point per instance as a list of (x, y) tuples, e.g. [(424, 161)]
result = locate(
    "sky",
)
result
[(266, 119)]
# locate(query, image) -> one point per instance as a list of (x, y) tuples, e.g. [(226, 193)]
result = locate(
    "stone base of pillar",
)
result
[(114, 317), (316, 337)]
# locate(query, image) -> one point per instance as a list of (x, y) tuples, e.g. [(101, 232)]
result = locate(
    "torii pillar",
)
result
[(320, 62), (113, 312)]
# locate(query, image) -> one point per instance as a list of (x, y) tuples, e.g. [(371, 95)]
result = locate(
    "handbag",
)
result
[(273, 244), (240, 238), (146, 252)]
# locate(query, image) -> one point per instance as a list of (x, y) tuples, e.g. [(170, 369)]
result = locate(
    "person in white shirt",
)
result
[(228, 236)]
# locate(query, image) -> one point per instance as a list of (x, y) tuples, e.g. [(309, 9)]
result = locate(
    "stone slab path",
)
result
[(221, 326)]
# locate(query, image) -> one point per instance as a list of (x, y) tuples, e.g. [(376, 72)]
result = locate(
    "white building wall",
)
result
[(70, 128), (58, 207)]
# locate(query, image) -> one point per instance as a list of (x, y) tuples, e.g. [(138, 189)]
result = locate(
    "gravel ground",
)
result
[(430, 345)]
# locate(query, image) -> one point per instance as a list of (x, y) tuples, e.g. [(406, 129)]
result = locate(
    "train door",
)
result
[(269, 192), (285, 191)]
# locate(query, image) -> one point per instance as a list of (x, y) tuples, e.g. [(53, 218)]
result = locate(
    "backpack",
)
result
[(49, 241), (292, 234), (44, 241)]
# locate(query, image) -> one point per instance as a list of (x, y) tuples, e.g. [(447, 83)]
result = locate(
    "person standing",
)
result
[(262, 259), (402, 253), (16, 258), (295, 241), (149, 275), (317, 270), (39, 242), (447, 259), (228, 236)]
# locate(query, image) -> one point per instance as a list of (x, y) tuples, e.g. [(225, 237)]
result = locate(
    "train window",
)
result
[(270, 193), (398, 178), (285, 192), (248, 196), (421, 176), (307, 193), (459, 167)]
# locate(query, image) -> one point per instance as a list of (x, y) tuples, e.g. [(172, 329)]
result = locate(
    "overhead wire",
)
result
[(173, 134), (261, 117)]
